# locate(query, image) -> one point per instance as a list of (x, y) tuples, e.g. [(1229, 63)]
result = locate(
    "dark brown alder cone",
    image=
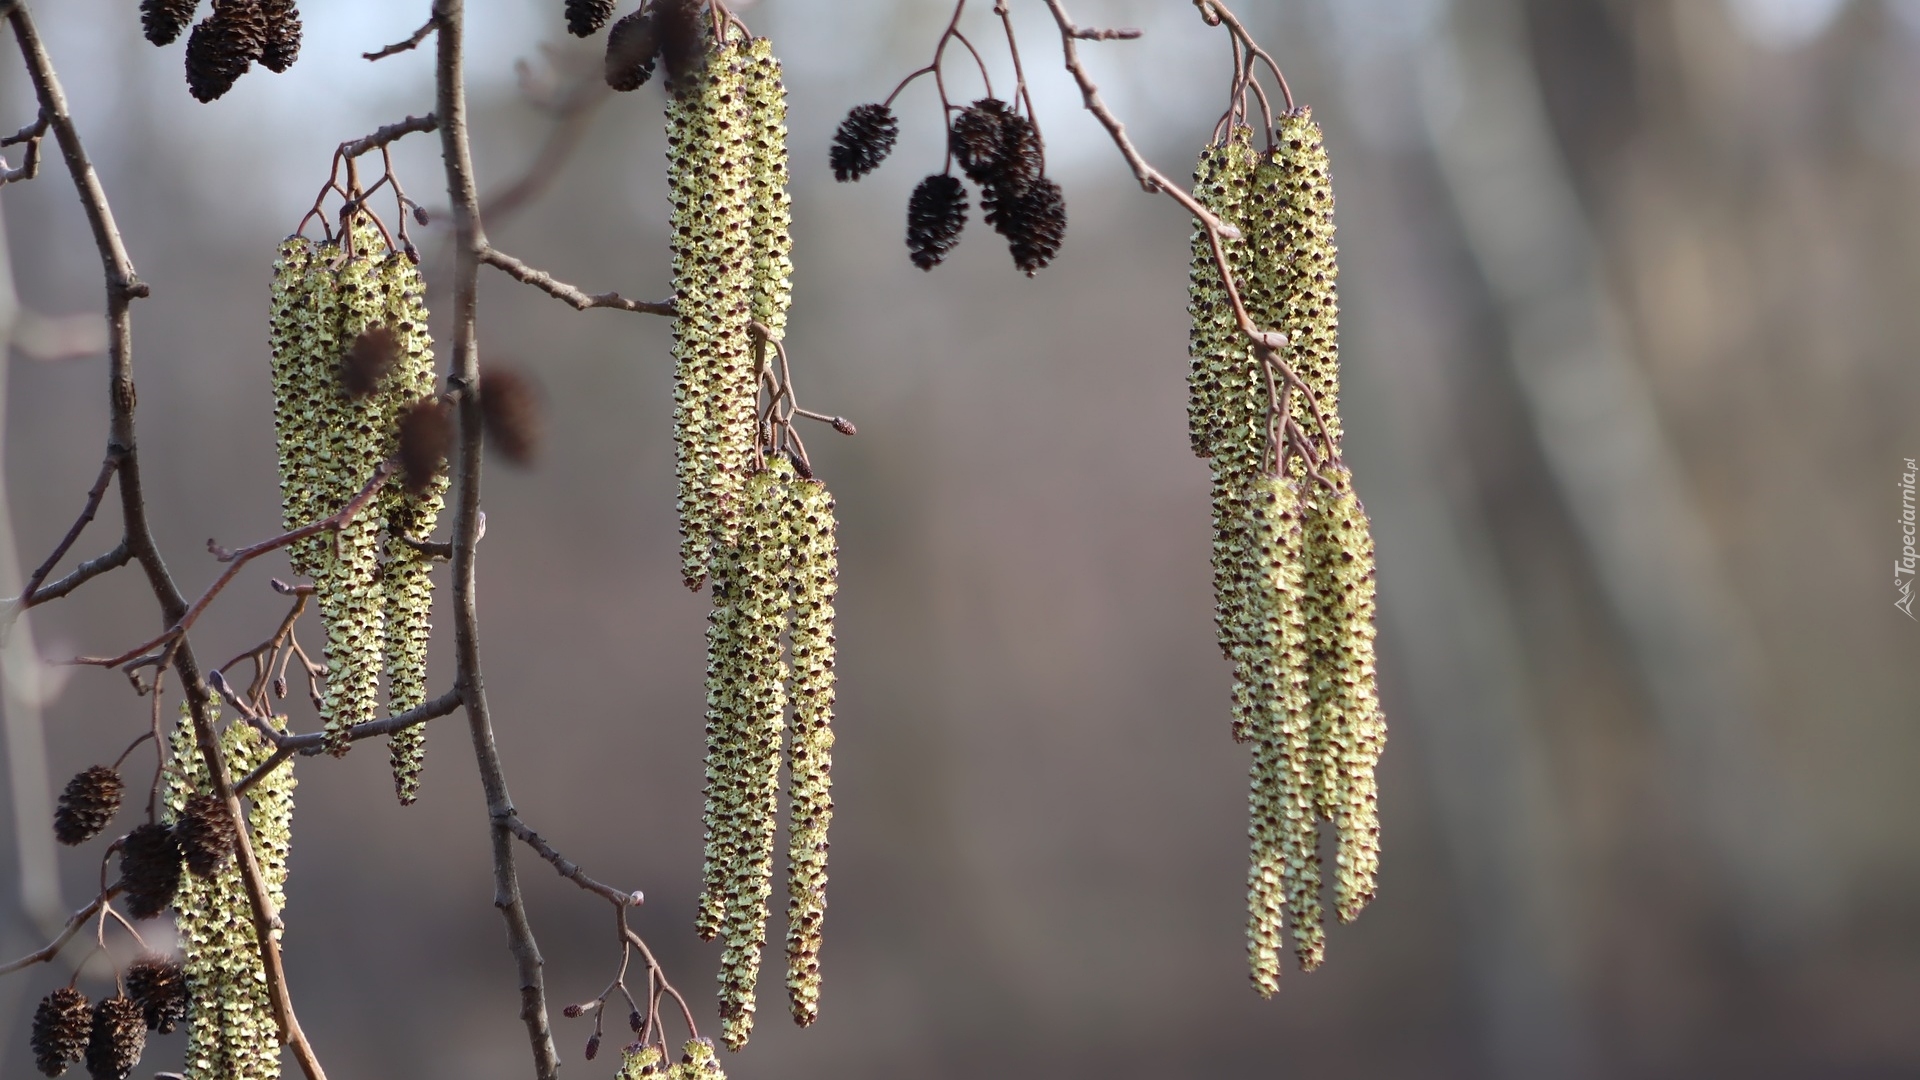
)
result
[(60, 1027), (205, 834), (632, 45), (162, 20), (935, 215), (863, 141), (682, 29), (160, 986), (1034, 223), (87, 805), (372, 357), (149, 870), (586, 17), (510, 413), (118, 1037), (426, 439), (223, 46), (281, 45)]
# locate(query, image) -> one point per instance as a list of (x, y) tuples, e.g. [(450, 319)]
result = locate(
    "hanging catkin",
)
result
[(231, 1032), (1309, 309), (350, 353), (406, 583), (711, 174), (815, 568), (772, 235)]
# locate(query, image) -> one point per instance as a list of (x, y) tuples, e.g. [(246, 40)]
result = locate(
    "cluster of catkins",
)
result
[(231, 1032), (1292, 554), (182, 861), (697, 1062), (228, 41), (997, 148), (352, 373)]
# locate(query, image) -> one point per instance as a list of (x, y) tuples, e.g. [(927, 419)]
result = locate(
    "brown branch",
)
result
[(310, 745), (122, 287), (85, 572), (1119, 33), (74, 923), (560, 290), (236, 560), (30, 595), (408, 45), (569, 869), (470, 244), (387, 135)]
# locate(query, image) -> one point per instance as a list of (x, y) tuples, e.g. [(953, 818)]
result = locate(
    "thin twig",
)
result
[(560, 290), (29, 596), (384, 136), (411, 43), (568, 868), (74, 923)]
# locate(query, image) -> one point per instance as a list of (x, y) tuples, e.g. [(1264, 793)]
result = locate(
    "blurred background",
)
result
[(1630, 342)]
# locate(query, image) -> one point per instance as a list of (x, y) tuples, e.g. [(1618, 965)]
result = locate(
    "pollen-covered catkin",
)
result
[(406, 581), (772, 235), (760, 569), (815, 580), (1349, 730), (231, 1031), (710, 172), (1309, 308)]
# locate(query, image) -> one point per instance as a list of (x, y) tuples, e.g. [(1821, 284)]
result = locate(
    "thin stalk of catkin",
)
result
[(406, 580), (1309, 312), (815, 562), (763, 569), (710, 173), (1349, 729), (232, 1034)]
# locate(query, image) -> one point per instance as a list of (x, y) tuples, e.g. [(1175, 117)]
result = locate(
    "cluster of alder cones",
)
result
[(229, 41), (997, 148)]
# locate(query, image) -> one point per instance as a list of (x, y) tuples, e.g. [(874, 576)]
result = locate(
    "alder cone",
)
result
[(1034, 223), (632, 46), (150, 870), (60, 1027), (160, 986), (586, 17), (936, 213), (206, 834), (280, 46), (87, 805), (863, 141), (162, 20), (118, 1038), (223, 46)]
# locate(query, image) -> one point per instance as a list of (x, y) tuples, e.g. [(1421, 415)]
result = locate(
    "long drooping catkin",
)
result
[(1348, 730), (772, 210), (815, 565), (760, 571), (1309, 309), (232, 1034), (406, 581), (710, 170)]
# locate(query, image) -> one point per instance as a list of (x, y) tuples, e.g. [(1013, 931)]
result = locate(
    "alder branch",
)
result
[(470, 244), (579, 298), (568, 868), (120, 556), (122, 287), (31, 595), (408, 45), (386, 136), (74, 923), (314, 744)]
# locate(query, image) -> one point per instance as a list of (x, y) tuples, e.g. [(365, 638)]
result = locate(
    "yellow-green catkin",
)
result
[(231, 1031), (711, 174), (639, 1062), (815, 563), (406, 581), (760, 569), (1284, 865), (1215, 344), (697, 1062), (772, 210), (1309, 311), (366, 578), (1349, 730)]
